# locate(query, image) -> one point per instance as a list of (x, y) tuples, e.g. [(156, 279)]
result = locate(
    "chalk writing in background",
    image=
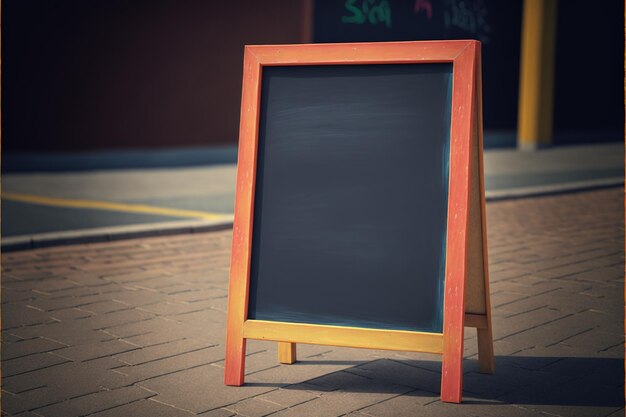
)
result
[(444, 19), (470, 16), (367, 11)]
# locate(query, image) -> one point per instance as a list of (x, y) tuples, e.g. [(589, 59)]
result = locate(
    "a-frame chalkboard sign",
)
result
[(360, 210)]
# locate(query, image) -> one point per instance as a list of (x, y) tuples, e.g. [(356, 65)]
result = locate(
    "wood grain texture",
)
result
[(474, 284), (478, 321), (286, 352), (463, 119), (242, 227), (343, 336), (484, 335), (359, 53)]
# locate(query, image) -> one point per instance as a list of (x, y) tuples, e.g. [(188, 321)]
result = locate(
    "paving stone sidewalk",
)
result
[(136, 328)]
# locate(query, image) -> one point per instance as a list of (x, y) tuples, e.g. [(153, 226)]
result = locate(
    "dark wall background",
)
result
[(589, 86), (99, 74), (110, 74)]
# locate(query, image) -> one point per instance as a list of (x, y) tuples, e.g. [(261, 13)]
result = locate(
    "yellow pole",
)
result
[(536, 93)]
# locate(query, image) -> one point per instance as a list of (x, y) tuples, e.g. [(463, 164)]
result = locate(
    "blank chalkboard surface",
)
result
[(351, 195)]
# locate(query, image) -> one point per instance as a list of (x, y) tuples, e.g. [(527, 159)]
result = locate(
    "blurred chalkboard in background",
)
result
[(497, 24)]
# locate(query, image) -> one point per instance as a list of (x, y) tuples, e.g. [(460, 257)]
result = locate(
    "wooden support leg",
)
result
[(235, 359), (452, 372), (286, 352), (482, 323), (484, 333), (485, 350)]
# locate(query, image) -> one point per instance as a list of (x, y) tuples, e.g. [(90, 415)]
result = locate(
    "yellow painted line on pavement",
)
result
[(107, 205)]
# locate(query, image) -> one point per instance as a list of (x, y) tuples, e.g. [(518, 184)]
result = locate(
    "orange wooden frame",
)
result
[(465, 56)]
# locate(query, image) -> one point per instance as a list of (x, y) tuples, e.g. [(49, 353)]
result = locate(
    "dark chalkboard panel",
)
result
[(351, 195)]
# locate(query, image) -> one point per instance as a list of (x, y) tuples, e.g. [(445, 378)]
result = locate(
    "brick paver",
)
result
[(136, 328)]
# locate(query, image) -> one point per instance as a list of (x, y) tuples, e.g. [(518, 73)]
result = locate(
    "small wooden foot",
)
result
[(482, 323), (485, 350), (452, 376), (286, 352), (235, 363)]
